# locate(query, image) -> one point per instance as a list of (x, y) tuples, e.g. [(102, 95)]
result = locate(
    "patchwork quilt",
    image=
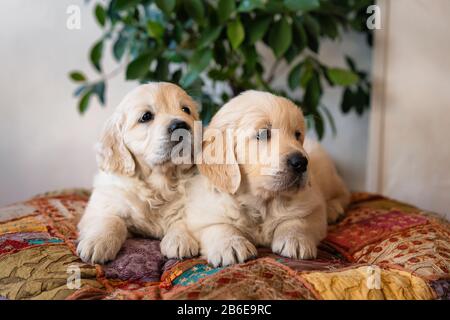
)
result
[(381, 249)]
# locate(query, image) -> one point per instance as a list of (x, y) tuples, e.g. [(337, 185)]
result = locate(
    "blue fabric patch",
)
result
[(195, 273), (44, 241)]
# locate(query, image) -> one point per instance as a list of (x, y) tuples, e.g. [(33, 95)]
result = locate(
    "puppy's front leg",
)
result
[(337, 205), (292, 239), (223, 245), (178, 243), (101, 238)]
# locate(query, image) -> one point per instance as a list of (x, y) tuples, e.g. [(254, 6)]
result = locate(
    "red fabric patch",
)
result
[(10, 246), (355, 236)]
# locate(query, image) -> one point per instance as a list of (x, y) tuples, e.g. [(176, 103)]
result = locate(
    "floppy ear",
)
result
[(219, 163), (112, 154)]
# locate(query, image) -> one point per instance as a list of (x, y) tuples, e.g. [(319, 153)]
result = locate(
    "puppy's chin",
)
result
[(169, 155), (163, 160), (287, 182), (162, 156)]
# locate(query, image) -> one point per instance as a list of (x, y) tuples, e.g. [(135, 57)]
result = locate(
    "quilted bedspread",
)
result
[(382, 249)]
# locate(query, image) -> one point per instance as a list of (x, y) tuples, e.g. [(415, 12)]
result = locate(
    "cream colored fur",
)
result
[(138, 189), (232, 208)]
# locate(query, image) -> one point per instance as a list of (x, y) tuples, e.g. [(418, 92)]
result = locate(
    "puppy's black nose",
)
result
[(297, 162), (178, 124)]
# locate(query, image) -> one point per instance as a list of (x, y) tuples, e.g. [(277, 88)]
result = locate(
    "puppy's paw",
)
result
[(335, 211), (179, 245), (296, 247), (235, 249), (98, 248)]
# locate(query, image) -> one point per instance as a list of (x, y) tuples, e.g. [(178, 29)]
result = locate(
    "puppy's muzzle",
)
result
[(178, 124), (297, 163)]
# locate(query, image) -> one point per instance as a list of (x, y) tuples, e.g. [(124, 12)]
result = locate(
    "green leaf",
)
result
[(350, 63), (328, 26), (225, 97), (125, 4), (301, 5), (208, 111), (218, 75), (155, 29), (99, 90), (342, 77), (361, 100), (257, 29), (139, 67), (195, 9), (299, 33), (176, 76), (280, 37), (292, 53), (100, 14), (162, 70), (275, 7), (250, 5), (224, 9), (347, 100), (200, 60), (173, 56), (96, 55), (188, 79), (77, 76), (312, 93), (119, 47), (319, 126), (220, 53), (330, 119), (84, 102), (250, 58), (209, 36), (306, 75), (81, 89), (235, 33), (312, 28), (166, 6), (294, 76)]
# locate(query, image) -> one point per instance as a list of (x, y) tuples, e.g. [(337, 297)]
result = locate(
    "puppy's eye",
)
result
[(186, 109), (263, 134), (298, 135), (146, 117)]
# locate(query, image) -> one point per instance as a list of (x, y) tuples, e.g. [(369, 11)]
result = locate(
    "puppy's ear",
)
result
[(112, 154), (219, 163)]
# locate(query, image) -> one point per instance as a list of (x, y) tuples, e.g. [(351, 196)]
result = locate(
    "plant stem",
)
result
[(110, 75), (272, 71)]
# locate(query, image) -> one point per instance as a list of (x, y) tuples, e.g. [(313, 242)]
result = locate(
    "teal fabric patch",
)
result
[(194, 274), (44, 241)]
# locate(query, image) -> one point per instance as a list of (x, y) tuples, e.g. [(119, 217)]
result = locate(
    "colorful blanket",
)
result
[(382, 249)]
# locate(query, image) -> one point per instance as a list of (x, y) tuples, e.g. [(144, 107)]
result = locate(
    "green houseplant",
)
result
[(192, 41)]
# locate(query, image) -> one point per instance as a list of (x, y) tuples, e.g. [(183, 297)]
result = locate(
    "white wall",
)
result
[(45, 144), (411, 125), (349, 147)]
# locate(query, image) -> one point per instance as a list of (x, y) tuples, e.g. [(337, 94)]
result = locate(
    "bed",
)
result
[(381, 249)]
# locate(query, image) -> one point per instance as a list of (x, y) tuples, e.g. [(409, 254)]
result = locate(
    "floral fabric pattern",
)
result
[(381, 249)]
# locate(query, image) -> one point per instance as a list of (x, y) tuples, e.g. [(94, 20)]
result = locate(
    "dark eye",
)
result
[(186, 109), (263, 134), (297, 135), (146, 117)]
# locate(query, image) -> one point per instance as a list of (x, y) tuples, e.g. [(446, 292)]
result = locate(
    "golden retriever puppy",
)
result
[(238, 203), (139, 188)]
